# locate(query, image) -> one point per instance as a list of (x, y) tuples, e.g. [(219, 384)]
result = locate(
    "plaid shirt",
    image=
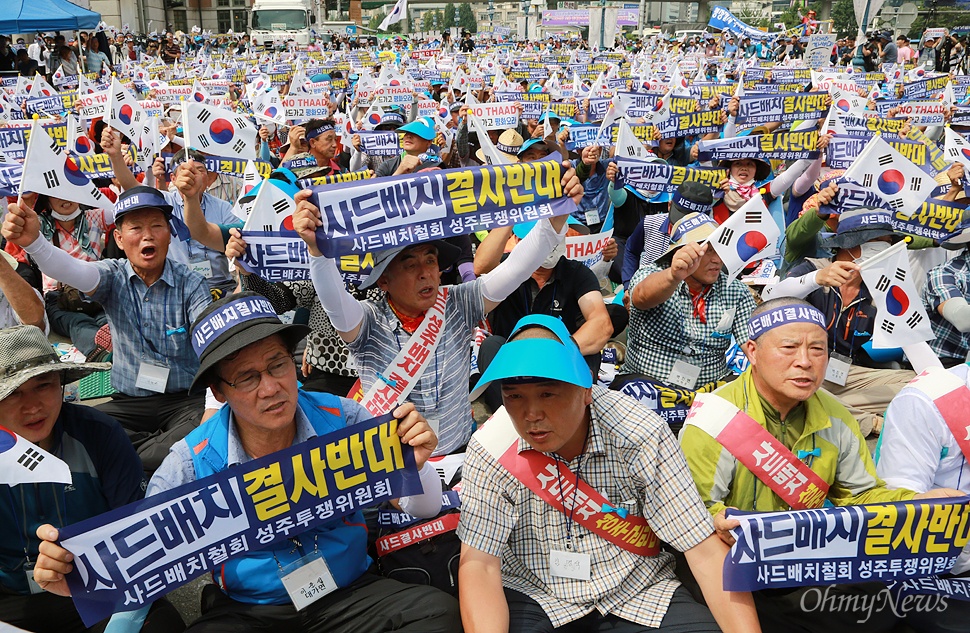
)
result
[(632, 458), (947, 281), (442, 392), (151, 324), (660, 336)]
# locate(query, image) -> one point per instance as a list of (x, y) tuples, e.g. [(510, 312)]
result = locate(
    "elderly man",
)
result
[(788, 353), (377, 332), (316, 139), (684, 311), (246, 358), (105, 471), (149, 301), (535, 561), (200, 221)]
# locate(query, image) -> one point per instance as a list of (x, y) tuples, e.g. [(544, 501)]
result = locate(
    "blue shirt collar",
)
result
[(234, 449), (168, 275)]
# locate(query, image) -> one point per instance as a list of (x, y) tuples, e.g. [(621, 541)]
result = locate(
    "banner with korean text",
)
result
[(778, 146), (377, 214), (882, 542), (660, 177), (125, 558)]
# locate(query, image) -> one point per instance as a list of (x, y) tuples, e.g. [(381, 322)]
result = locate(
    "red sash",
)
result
[(952, 400), (758, 451), (539, 474)]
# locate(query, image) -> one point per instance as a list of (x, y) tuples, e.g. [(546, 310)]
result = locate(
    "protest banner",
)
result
[(804, 106), (777, 146), (819, 51), (303, 107), (588, 248), (380, 143), (724, 20), (843, 150), (936, 219), (660, 177), (409, 209), (125, 558), (882, 542), (496, 116)]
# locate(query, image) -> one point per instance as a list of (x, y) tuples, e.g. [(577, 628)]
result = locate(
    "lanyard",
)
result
[(572, 507)]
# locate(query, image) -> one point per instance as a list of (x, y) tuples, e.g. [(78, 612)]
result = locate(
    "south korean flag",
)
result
[(956, 148), (22, 462), (749, 235), (880, 168), (218, 131), (124, 112), (48, 170), (901, 319)]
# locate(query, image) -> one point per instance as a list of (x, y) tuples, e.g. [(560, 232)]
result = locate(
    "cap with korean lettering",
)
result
[(141, 197), (233, 323)]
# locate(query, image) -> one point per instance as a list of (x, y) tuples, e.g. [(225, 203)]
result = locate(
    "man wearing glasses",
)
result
[(246, 358)]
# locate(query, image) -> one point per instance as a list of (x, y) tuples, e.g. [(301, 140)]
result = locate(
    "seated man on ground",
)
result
[(105, 471), (375, 332), (684, 312), (247, 361), (150, 302), (836, 288), (788, 354), (528, 563)]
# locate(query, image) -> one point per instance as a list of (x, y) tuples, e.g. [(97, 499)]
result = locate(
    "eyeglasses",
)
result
[(277, 368)]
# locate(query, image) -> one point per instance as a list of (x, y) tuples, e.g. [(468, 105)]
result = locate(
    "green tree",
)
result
[(843, 18), (375, 21), (936, 14), (427, 21), (466, 18), (449, 17)]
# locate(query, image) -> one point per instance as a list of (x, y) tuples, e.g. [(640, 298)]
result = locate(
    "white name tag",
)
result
[(684, 374), (573, 565), (307, 580), (837, 371), (204, 268), (592, 217), (152, 377)]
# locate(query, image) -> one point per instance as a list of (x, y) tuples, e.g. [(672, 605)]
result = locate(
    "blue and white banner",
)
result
[(125, 558), (883, 542), (936, 219), (401, 210), (778, 146), (802, 106), (843, 150), (660, 177), (581, 136), (724, 20), (380, 143), (279, 257), (396, 520)]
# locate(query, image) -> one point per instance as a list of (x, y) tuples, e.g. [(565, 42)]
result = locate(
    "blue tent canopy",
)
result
[(23, 16)]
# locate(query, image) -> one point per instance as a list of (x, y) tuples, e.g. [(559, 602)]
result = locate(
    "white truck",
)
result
[(276, 22)]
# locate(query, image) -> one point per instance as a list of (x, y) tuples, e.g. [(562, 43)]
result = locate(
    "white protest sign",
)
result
[(496, 116)]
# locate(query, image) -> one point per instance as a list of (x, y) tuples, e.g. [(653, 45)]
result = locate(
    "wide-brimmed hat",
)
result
[(232, 323), (26, 353), (448, 254), (141, 197), (508, 144), (692, 228), (858, 226), (526, 360), (762, 167)]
